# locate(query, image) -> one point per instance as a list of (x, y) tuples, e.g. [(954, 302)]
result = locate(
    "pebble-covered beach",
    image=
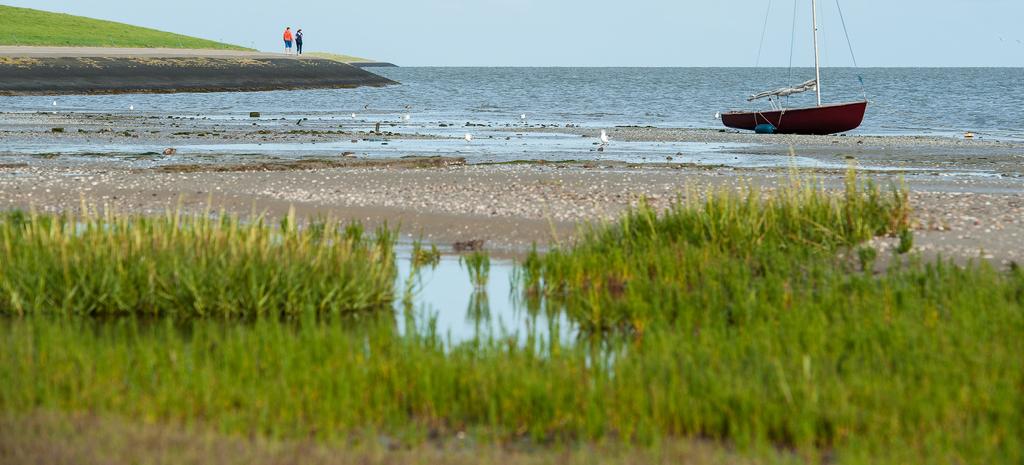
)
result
[(449, 199)]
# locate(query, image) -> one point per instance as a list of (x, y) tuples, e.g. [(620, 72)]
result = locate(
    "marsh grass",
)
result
[(478, 265), (191, 266), (903, 370), (741, 303), (725, 249), (731, 318), (422, 256)]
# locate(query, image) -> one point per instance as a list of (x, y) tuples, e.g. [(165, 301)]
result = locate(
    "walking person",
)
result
[(288, 41), (298, 41)]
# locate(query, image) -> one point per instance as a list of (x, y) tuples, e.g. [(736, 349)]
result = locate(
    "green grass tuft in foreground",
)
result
[(727, 250), (191, 266), (25, 26)]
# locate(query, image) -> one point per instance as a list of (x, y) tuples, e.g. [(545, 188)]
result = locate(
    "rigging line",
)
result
[(849, 44), (847, 32), (764, 31), (792, 42)]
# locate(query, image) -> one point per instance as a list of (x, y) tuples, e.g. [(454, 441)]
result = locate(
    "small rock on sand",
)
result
[(474, 245)]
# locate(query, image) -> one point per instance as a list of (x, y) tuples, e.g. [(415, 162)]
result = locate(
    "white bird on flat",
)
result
[(131, 107), (469, 137), (604, 141), (353, 116), (718, 115), (406, 117), (54, 103)]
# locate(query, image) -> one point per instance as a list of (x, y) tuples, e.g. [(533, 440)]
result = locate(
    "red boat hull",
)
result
[(823, 120)]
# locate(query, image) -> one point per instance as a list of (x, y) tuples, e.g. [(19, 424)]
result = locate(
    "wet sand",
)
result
[(66, 129), (450, 199), (1002, 157), (509, 206), (919, 156)]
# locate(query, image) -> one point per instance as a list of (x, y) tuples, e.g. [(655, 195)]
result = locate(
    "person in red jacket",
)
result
[(288, 40)]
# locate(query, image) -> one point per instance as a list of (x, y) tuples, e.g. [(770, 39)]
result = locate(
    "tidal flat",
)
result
[(515, 185), (363, 289)]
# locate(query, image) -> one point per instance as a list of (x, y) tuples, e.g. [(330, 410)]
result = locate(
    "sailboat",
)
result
[(817, 120)]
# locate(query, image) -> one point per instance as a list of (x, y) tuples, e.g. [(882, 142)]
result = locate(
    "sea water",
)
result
[(904, 101)]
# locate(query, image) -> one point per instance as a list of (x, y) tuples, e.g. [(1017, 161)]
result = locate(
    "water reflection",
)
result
[(443, 298), (479, 311)]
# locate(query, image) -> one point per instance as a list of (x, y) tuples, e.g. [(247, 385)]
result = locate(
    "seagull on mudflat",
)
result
[(406, 117), (54, 103), (353, 116), (468, 137), (605, 140), (131, 107)]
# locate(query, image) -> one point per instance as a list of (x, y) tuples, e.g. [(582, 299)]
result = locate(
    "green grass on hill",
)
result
[(337, 57), (24, 26)]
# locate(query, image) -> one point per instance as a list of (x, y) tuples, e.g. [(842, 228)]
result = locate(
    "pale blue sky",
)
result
[(593, 32)]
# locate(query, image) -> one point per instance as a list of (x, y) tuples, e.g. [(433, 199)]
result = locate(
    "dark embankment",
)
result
[(125, 74)]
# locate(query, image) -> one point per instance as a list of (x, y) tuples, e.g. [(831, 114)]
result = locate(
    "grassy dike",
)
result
[(753, 320), (25, 26), (337, 57)]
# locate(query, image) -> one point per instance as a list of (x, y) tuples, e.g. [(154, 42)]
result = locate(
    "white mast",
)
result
[(817, 65)]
